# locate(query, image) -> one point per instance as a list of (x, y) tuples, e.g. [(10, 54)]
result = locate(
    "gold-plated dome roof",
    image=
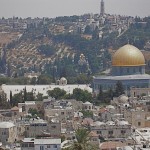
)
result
[(128, 55)]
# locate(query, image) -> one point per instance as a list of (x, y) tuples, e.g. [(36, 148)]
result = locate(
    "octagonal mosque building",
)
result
[(128, 66)]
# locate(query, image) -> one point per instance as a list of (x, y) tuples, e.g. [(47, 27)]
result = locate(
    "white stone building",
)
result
[(8, 132), (112, 130), (41, 144)]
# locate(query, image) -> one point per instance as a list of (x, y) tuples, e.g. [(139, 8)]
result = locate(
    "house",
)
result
[(49, 144), (94, 138), (88, 106), (24, 107), (41, 144), (8, 132), (39, 127), (111, 145), (35, 127), (104, 115), (112, 130), (60, 113)]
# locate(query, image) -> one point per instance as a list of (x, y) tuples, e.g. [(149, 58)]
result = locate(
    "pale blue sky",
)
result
[(53, 8)]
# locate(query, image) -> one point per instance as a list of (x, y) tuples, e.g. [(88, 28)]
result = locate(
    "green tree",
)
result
[(57, 93), (100, 95), (30, 96), (11, 100), (110, 93), (17, 98), (82, 95), (95, 34), (33, 112), (87, 30), (44, 79), (87, 114), (83, 79), (25, 94), (48, 50), (4, 104), (119, 90), (39, 97), (33, 80), (63, 138)]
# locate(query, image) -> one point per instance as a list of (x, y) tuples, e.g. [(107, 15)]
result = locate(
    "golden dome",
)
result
[(128, 55)]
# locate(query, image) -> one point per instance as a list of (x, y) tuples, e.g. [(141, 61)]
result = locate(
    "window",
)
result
[(98, 132), (53, 126), (100, 114), (140, 69), (24, 145), (23, 108), (31, 145), (127, 70), (62, 113), (41, 147), (139, 123), (110, 132), (54, 146), (48, 146), (123, 131)]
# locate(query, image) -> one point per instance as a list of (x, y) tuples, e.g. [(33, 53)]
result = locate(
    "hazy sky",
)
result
[(53, 8)]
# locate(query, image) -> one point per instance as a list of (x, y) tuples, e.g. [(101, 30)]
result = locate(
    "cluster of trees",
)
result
[(57, 93), (4, 104), (78, 94), (87, 114), (42, 79), (23, 96), (137, 34), (47, 50), (83, 95), (36, 113), (107, 96), (46, 79), (91, 48), (67, 19)]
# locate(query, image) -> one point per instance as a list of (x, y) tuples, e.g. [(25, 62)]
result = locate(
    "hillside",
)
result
[(54, 47)]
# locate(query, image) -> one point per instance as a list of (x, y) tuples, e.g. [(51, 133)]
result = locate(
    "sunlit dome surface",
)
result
[(128, 55)]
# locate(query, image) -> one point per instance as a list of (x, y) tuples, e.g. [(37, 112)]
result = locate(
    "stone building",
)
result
[(60, 113), (41, 144), (112, 130), (39, 127), (88, 106), (8, 133)]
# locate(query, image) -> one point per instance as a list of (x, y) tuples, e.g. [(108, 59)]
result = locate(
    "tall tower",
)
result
[(102, 8)]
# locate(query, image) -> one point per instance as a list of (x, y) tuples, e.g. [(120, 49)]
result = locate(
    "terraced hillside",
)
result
[(25, 57)]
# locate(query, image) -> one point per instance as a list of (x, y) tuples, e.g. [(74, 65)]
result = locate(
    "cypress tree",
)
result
[(25, 94), (119, 89), (100, 95), (11, 100)]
